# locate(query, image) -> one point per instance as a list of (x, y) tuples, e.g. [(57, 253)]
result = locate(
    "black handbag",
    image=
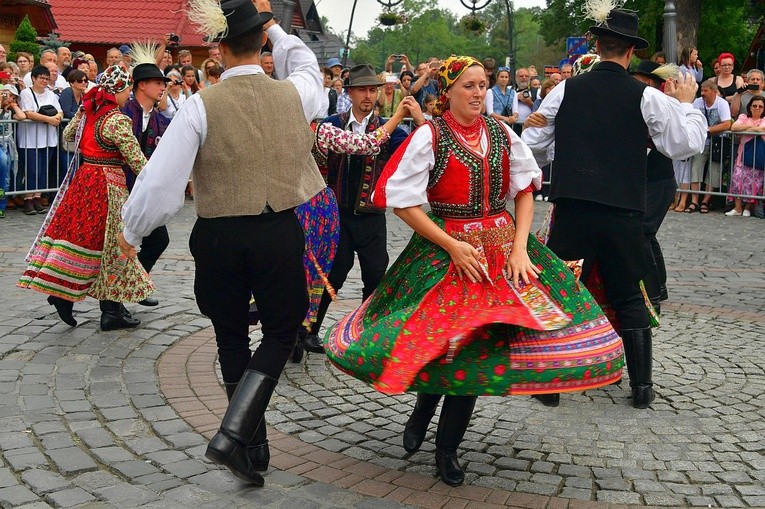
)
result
[(46, 109)]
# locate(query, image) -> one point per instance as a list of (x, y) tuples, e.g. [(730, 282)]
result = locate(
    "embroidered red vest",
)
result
[(463, 184)]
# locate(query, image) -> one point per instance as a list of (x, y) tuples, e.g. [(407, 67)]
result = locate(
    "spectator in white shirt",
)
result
[(38, 141), (175, 95)]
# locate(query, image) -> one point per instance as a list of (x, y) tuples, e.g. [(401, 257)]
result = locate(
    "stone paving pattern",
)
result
[(121, 419)]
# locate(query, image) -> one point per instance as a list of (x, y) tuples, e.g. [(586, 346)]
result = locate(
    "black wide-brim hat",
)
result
[(242, 17), (362, 76), (622, 25), (143, 72), (646, 68)]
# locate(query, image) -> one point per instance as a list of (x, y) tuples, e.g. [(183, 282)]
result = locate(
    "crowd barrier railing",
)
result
[(35, 167)]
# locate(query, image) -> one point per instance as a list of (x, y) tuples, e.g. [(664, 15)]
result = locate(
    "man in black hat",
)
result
[(149, 89), (660, 193), (353, 178), (248, 143), (599, 123)]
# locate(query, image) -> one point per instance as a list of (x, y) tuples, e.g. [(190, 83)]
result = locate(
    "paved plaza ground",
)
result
[(120, 419)]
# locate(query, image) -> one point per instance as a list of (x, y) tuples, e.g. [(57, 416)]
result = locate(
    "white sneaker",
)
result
[(538, 197), (746, 213), (545, 198), (733, 212)]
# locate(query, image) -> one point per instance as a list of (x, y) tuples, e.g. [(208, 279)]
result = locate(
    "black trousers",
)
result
[(614, 239), (262, 255), (152, 247), (659, 195), (367, 236)]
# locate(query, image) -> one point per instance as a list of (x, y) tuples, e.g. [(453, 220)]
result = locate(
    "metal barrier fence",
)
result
[(34, 159)]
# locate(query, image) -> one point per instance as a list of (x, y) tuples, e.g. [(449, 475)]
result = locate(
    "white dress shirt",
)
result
[(677, 129), (158, 193)]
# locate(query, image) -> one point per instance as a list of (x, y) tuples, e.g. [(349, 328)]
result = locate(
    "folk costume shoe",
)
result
[(417, 425), (638, 353), (64, 309), (452, 424), (115, 316), (243, 416), (312, 343), (257, 451), (551, 400)]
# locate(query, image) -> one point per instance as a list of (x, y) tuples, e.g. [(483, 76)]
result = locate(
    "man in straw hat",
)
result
[(149, 91), (599, 178), (248, 142)]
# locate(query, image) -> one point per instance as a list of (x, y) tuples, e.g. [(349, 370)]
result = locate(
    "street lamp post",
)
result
[(477, 5), (670, 31), (388, 4)]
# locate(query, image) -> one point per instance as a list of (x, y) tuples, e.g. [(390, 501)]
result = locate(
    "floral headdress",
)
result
[(451, 69)]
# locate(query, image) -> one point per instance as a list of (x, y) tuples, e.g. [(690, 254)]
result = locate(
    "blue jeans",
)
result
[(37, 163), (5, 172)]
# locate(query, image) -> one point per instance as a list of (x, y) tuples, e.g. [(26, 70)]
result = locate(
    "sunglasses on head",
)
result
[(503, 68)]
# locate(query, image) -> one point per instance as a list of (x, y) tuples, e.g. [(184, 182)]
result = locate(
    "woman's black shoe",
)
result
[(64, 308), (417, 426), (448, 467), (312, 343), (551, 400)]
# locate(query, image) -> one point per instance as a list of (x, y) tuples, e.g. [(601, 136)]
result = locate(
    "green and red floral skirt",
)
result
[(426, 330)]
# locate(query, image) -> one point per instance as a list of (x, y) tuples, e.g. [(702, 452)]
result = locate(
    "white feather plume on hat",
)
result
[(598, 10), (208, 16), (667, 71), (144, 52)]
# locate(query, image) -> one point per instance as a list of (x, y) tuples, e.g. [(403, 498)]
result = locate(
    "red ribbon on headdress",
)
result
[(96, 98)]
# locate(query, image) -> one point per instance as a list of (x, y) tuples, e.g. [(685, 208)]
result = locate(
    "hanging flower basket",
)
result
[(473, 24), (389, 19)]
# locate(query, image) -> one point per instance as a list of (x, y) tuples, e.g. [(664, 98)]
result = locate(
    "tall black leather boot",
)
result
[(638, 354), (243, 416), (115, 316), (417, 425), (452, 424), (257, 450), (64, 309)]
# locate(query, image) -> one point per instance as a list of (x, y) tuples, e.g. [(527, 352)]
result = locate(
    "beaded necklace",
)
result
[(471, 133)]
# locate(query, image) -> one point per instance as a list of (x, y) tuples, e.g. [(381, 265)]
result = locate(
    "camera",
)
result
[(398, 57), (174, 39), (526, 94), (753, 86)]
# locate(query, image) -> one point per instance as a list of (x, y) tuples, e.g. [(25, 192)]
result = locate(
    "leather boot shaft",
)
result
[(417, 425), (452, 424), (638, 352), (244, 414)]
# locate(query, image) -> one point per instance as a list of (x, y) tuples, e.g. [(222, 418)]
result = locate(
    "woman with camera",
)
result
[(501, 99), (8, 155), (175, 95)]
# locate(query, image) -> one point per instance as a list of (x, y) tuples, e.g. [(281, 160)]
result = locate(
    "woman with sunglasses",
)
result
[(71, 97)]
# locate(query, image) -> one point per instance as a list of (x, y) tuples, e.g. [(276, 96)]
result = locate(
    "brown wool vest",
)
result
[(257, 151)]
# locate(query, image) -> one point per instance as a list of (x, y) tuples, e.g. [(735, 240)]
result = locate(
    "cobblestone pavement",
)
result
[(120, 419)]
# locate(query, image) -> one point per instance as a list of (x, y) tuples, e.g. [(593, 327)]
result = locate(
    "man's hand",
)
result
[(126, 248), (536, 119), (414, 110), (684, 90), (265, 6)]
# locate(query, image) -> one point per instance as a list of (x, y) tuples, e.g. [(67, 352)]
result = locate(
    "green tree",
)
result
[(25, 39), (428, 31), (53, 42)]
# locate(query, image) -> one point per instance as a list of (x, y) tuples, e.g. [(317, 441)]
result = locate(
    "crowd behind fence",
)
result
[(40, 169)]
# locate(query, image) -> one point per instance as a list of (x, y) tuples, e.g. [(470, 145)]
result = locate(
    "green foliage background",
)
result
[(24, 40), (540, 34)]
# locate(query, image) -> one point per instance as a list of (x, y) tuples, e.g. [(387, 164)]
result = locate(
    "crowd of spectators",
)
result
[(725, 99)]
